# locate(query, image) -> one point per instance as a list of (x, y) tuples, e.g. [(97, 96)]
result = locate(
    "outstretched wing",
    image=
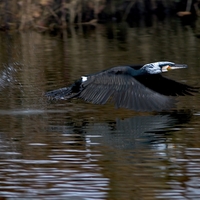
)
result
[(66, 92), (124, 90), (166, 86), (61, 93)]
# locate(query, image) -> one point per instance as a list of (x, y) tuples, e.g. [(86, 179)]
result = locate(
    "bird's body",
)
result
[(139, 87)]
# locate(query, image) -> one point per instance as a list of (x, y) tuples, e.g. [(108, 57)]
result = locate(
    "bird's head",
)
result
[(163, 66)]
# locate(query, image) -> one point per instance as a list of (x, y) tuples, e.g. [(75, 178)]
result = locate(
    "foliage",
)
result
[(55, 14)]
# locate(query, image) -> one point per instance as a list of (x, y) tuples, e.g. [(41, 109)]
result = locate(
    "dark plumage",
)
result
[(140, 87)]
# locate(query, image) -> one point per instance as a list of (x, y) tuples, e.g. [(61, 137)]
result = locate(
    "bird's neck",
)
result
[(139, 72)]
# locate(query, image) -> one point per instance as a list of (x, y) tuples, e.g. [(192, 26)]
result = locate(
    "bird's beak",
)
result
[(175, 66)]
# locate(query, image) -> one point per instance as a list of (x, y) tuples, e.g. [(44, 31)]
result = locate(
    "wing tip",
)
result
[(58, 94)]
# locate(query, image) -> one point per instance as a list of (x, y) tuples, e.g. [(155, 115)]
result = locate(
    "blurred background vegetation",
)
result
[(47, 15)]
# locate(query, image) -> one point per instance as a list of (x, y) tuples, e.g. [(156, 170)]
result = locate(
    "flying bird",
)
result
[(137, 87)]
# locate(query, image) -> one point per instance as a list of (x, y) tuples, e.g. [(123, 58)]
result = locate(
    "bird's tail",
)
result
[(62, 93)]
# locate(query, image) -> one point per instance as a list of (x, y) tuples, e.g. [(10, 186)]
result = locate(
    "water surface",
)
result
[(76, 150)]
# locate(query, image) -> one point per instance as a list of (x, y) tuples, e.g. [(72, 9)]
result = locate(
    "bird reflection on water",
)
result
[(130, 133)]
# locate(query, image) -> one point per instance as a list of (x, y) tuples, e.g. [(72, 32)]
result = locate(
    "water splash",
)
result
[(7, 76)]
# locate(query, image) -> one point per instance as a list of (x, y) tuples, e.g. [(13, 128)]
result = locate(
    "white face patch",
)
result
[(84, 78), (152, 68), (158, 67)]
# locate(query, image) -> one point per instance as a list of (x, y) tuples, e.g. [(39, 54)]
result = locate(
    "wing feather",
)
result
[(124, 90), (166, 86)]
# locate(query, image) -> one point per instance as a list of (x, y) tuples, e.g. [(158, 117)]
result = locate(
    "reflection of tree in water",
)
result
[(87, 157), (59, 165)]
